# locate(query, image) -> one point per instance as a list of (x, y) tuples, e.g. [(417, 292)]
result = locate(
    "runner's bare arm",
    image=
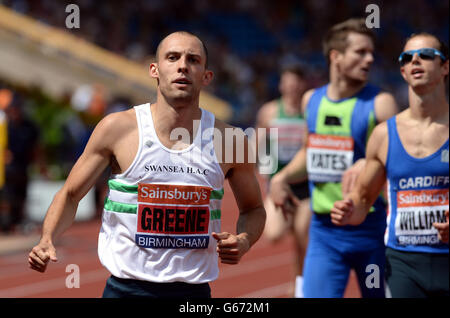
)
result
[(442, 229), (350, 175), (385, 107), (354, 208), (252, 215), (82, 177)]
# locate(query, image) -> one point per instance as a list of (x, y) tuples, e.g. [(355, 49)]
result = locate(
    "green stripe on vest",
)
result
[(118, 207), (121, 187), (115, 185), (215, 214), (217, 194), (371, 125), (282, 114)]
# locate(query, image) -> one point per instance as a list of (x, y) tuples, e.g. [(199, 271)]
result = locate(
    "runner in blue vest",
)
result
[(340, 116), (411, 150)]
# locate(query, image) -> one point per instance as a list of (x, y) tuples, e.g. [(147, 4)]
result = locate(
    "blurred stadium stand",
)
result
[(37, 54), (248, 40)]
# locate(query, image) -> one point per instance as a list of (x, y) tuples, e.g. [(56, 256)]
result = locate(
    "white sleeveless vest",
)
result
[(159, 214)]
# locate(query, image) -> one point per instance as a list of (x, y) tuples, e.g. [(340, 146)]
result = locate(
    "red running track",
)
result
[(265, 271)]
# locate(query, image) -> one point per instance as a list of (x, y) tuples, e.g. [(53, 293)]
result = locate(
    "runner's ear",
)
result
[(207, 77), (153, 70), (402, 72)]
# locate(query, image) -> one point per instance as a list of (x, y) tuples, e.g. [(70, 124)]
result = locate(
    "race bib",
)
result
[(173, 216), (328, 157), (416, 213)]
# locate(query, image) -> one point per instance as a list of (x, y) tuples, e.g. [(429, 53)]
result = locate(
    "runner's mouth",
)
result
[(417, 71), (182, 81)]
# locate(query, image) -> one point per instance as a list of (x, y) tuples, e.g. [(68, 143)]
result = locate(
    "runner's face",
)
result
[(292, 85), (357, 59), (180, 69), (423, 73)]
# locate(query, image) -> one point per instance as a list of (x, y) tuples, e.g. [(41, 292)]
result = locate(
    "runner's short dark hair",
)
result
[(296, 69), (336, 37), (205, 49)]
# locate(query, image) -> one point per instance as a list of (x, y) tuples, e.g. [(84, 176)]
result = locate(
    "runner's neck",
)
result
[(167, 118), (340, 88), (291, 105), (432, 104)]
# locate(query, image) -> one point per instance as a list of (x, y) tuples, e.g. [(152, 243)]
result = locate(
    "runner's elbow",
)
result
[(69, 195)]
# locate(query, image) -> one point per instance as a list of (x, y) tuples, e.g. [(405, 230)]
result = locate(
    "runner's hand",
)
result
[(341, 212), (351, 175), (442, 229), (231, 247), (283, 198), (40, 255)]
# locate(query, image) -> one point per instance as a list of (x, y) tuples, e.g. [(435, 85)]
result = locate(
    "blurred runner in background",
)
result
[(285, 114), (341, 116), (411, 150)]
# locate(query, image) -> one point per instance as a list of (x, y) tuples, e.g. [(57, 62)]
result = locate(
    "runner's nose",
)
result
[(182, 65)]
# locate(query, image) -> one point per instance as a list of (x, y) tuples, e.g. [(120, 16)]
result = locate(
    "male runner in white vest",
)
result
[(160, 234)]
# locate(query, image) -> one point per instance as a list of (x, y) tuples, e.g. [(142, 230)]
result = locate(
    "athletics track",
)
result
[(264, 272)]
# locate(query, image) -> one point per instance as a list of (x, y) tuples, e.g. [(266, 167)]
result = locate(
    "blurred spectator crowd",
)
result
[(249, 41), (41, 137)]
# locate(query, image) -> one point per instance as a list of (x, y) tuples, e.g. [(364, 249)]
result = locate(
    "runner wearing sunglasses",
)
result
[(340, 117), (426, 53), (411, 150)]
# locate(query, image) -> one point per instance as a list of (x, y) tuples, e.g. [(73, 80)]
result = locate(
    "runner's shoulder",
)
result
[(234, 140), (266, 113), (115, 125), (117, 121), (385, 106), (270, 105), (382, 94), (306, 97), (380, 130), (379, 135), (225, 128), (403, 117)]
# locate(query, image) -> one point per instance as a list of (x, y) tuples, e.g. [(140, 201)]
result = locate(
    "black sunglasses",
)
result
[(424, 54)]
